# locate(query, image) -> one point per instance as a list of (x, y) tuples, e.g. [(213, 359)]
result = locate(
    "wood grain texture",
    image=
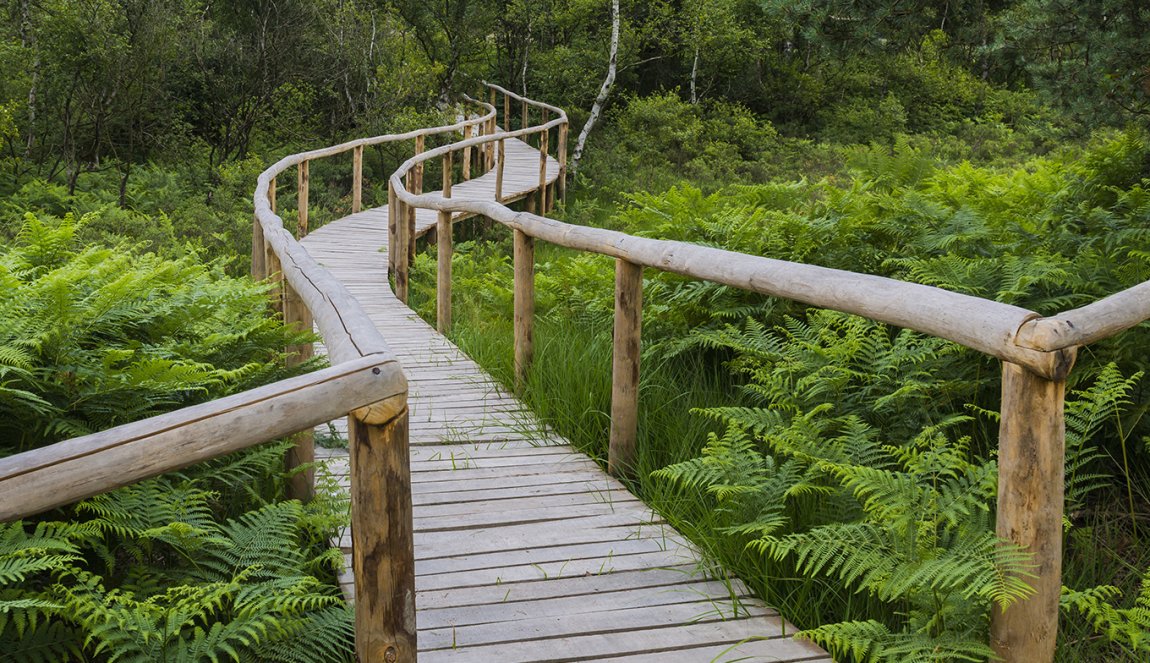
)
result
[(1031, 467), (383, 556), (622, 450), (524, 315)]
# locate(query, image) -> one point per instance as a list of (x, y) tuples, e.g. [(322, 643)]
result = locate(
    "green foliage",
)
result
[(1128, 628), (95, 337), (202, 564), (151, 572)]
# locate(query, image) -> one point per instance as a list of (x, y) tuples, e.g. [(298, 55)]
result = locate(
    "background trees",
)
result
[(94, 85)]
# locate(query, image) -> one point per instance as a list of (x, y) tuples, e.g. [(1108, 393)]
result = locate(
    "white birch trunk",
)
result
[(597, 107)]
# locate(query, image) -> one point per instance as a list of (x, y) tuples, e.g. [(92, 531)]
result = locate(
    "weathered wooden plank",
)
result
[(549, 588), (607, 619), (613, 645)]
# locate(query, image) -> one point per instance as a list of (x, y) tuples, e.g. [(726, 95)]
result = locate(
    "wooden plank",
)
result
[(613, 645), (606, 619), (545, 588), (566, 606)]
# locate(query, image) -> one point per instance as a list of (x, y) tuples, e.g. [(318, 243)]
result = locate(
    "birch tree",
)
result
[(604, 90)]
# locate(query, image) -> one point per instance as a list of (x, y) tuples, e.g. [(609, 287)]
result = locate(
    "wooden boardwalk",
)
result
[(525, 550)]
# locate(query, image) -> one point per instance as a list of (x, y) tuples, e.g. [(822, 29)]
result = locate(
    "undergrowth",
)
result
[(206, 564), (846, 470)]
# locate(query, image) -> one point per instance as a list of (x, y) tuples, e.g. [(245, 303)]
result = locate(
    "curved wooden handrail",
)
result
[(987, 326)]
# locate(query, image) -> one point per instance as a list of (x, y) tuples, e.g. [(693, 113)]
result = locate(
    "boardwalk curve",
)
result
[(525, 550)]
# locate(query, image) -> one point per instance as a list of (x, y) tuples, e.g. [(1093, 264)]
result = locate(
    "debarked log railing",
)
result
[(1037, 353), (364, 383)]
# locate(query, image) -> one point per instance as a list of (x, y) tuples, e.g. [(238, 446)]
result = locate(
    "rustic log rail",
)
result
[(366, 381)]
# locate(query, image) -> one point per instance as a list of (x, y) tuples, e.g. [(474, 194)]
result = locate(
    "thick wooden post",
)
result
[(622, 452), (357, 179), (526, 116), (465, 163), (443, 257), (561, 183), (524, 258), (1031, 472), (383, 550), (301, 486), (543, 207), (259, 266), (301, 200), (499, 161), (506, 112)]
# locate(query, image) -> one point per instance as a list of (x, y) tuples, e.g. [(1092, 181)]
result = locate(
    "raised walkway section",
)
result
[(525, 549)]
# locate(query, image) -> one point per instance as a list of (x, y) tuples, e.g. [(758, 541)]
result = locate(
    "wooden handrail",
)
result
[(84, 466)]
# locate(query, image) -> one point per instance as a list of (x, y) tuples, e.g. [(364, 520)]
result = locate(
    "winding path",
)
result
[(525, 549)]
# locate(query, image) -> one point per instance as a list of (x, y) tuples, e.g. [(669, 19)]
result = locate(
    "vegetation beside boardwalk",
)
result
[(846, 469)]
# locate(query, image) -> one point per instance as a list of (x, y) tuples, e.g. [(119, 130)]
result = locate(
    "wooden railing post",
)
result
[(561, 183), (259, 266), (1031, 472), (383, 550), (524, 259), (622, 453), (301, 200), (414, 185), (543, 208), (443, 257), (526, 116), (275, 273), (506, 112), (499, 162), (465, 163), (357, 179), (301, 485), (392, 232), (401, 244), (489, 146)]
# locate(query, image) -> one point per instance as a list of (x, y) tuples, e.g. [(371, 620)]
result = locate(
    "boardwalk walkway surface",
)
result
[(525, 550)]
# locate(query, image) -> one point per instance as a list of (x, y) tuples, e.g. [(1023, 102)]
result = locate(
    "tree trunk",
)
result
[(695, 74), (597, 107)]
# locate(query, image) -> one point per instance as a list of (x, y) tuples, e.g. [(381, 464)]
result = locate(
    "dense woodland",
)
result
[(846, 470)]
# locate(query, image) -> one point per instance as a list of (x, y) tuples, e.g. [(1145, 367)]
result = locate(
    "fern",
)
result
[(1086, 415), (1128, 627)]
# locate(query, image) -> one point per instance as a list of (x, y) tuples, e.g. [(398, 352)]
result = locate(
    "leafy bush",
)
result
[(204, 564), (95, 337)]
